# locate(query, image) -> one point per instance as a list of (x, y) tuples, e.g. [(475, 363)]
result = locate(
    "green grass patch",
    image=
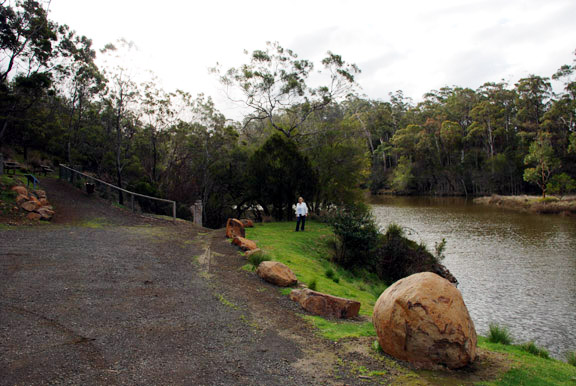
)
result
[(529, 369), (336, 330), (531, 348), (95, 223), (571, 358), (256, 258), (226, 302)]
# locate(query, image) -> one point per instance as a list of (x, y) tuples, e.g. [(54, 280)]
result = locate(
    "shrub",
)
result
[(336, 280), (329, 273), (571, 358), (256, 258), (535, 350), (561, 184), (357, 233), (498, 334), (313, 284)]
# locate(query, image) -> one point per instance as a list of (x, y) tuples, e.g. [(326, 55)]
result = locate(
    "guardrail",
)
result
[(73, 173)]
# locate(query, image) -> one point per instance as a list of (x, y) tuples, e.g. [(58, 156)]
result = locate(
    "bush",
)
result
[(256, 258), (313, 284), (561, 184), (357, 234), (535, 350), (329, 273), (499, 334), (571, 358)]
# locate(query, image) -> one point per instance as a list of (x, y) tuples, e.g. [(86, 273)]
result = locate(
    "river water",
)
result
[(515, 269)]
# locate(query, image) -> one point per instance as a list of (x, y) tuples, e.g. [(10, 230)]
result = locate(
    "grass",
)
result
[(336, 330), (256, 258), (499, 334), (530, 347), (530, 369), (537, 204), (571, 358)]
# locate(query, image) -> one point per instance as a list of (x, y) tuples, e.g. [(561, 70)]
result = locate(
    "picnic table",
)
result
[(46, 169), (9, 165)]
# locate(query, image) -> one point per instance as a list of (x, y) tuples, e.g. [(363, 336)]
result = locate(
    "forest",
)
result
[(322, 140)]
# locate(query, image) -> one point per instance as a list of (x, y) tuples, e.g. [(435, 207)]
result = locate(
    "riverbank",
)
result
[(532, 204), (308, 255)]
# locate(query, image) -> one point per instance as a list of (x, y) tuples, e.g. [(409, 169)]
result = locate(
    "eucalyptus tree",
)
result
[(542, 162), (276, 86)]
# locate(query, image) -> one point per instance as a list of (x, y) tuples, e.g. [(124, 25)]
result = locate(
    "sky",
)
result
[(411, 45)]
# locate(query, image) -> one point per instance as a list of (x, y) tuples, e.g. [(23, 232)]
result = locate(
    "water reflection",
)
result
[(515, 269)]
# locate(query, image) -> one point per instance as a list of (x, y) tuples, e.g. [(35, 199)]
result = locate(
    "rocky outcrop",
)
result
[(422, 319), (244, 244), (325, 305), (276, 273), (234, 228), (34, 202)]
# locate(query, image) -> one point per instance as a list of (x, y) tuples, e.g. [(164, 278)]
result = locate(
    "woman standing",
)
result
[(301, 213)]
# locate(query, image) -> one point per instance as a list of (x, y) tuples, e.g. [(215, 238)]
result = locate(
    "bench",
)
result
[(8, 165), (46, 169), (30, 178)]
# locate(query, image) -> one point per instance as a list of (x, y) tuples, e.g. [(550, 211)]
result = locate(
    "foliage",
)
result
[(571, 358), (278, 175), (561, 184), (541, 156), (499, 334), (535, 350), (256, 258), (439, 249), (313, 285)]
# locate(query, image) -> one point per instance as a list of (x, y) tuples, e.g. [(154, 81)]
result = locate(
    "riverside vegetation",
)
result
[(311, 256)]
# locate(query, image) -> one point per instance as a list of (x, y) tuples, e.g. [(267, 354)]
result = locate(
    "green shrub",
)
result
[(498, 334), (329, 273), (561, 184), (256, 258), (571, 358), (376, 347), (336, 280), (313, 284), (535, 350)]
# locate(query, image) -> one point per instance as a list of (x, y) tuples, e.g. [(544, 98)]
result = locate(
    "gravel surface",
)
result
[(127, 303)]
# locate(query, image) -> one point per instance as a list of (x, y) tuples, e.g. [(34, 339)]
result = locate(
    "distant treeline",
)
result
[(324, 143)]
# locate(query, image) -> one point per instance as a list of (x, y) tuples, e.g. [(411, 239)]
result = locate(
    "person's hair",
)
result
[(300, 198)]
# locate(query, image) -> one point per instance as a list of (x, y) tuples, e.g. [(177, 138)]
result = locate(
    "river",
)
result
[(515, 269)]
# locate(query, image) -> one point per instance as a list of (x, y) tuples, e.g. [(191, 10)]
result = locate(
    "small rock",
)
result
[(29, 206), (21, 199), (44, 201), (244, 244), (34, 216), (39, 193), (20, 190), (325, 305), (247, 223), (251, 252), (45, 213), (276, 273), (234, 228)]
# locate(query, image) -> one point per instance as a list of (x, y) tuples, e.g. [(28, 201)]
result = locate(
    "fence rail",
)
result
[(71, 175)]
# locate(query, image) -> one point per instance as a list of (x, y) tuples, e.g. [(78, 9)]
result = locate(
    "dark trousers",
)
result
[(298, 220)]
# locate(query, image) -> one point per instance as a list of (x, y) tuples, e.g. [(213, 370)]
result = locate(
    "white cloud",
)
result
[(414, 46)]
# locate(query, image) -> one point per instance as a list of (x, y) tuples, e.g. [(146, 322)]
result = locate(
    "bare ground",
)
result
[(147, 301)]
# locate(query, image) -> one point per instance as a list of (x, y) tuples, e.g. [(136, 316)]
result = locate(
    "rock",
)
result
[(21, 199), (325, 305), (234, 228), (422, 319), (244, 244), (276, 273), (39, 193), (20, 190), (251, 252), (34, 216), (247, 223), (35, 200), (29, 206), (45, 213), (44, 201)]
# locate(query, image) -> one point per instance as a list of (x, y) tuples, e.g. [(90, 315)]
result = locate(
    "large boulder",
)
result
[(276, 273), (234, 228), (244, 244), (422, 319), (325, 305)]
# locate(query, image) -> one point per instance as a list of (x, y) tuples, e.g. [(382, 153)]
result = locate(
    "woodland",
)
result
[(303, 134)]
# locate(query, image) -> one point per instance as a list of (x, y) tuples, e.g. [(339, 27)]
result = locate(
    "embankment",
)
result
[(532, 204)]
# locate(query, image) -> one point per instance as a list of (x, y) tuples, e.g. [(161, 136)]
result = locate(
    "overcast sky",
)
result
[(414, 46)]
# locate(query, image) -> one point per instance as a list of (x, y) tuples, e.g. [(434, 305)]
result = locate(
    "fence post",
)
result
[(197, 212), (132, 201), (174, 211)]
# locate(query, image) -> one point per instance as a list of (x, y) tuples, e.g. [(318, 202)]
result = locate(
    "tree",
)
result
[(274, 85), (278, 174), (541, 156)]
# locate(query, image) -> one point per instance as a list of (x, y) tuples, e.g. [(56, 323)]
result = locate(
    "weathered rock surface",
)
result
[(251, 252), (247, 223), (29, 206), (20, 190), (45, 213), (244, 244), (21, 199), (325, 305), (276, 273), (234, 228), (39, 193), (422, 319), (34, 216)]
